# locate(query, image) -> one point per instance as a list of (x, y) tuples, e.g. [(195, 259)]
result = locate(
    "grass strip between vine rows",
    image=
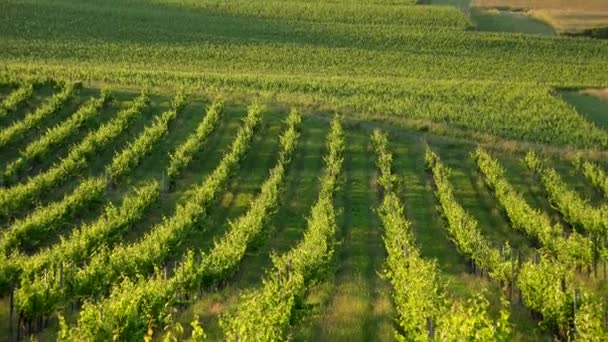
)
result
[(41, 295), (575, 210), (16, 98), (265, 313), (28, 232), (424, 311), (16, 197), (133, 307), (31, 120), (594, 174), (39, 149), (574, 250)]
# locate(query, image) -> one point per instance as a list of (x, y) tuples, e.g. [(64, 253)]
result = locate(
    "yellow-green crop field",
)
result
[(327, 170)]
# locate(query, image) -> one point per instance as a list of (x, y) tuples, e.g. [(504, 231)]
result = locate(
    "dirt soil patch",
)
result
[(566, 16), (602, 94)]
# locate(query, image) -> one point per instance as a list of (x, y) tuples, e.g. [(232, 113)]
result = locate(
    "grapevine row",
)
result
[(106, 230), (575, 210), (27, 233), (15, 98), (594, 173), (33, 119), (184, 153), (574, 251), (265, 313), (129, 157), (589, 321), (82, 242), (56, 135), (462, 227), (132, 307), (548, 288), (13, 198), (39, 296), (545, 284), (226, 253), (423, 310)]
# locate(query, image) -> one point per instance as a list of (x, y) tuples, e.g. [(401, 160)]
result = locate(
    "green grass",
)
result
[(462, 4), (507, 21), (5, 90), (591, 107), (354, 304)]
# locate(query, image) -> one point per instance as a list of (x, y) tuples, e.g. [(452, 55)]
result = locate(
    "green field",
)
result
[(344, 170), (505, 21), (595, 108)]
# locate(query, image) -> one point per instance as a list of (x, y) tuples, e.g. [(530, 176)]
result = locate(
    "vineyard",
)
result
[(298, 170)]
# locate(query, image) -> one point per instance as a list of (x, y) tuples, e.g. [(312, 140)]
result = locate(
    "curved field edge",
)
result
[(525, 112)]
